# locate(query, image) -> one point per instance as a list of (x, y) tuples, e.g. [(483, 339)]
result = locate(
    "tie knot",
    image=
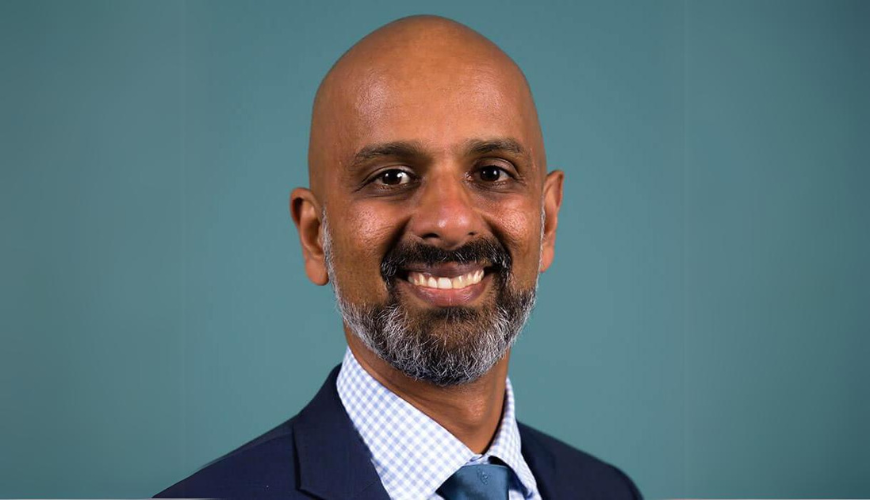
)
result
[(477, 482)]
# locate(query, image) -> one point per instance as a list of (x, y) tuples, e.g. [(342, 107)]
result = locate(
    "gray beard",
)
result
[(448, 347)]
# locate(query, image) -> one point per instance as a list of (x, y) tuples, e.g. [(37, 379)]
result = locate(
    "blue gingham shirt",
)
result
[(413, 454)]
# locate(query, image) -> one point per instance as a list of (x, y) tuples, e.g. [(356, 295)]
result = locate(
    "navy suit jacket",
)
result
[(318, 454)]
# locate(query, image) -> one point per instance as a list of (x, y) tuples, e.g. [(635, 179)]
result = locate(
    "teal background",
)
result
[(705, 324)]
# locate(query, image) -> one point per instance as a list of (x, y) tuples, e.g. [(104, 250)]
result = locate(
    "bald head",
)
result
[(418, 79)]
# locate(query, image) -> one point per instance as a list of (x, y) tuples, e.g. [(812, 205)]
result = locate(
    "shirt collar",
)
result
[(412, 453)]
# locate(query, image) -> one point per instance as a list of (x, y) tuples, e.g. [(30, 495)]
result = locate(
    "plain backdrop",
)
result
[(704, 326)]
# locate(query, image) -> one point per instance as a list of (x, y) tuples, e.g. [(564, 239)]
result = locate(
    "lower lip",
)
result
[(441, 297)]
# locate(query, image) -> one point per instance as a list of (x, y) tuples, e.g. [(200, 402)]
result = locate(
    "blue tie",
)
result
[(477, 482)]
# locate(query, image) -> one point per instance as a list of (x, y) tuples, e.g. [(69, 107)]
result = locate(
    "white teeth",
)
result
[(443, 283)]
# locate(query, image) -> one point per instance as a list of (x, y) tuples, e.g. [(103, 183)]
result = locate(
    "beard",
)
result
[(445, 346)]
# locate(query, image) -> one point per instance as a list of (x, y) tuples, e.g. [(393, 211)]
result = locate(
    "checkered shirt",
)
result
[(413, 454)]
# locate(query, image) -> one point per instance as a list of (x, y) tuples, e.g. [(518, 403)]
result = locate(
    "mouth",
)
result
[(446, 285)]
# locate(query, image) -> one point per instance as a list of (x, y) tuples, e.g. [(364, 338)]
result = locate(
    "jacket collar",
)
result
[(541, 461), (333, 461)]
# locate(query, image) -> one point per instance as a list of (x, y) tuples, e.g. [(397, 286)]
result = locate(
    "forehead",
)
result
[(441, 104)]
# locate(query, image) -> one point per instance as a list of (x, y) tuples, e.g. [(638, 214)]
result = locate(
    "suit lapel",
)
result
[(541, 462), (333, 461)]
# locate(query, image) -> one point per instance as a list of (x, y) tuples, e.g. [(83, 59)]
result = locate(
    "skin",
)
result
[(436, 85)]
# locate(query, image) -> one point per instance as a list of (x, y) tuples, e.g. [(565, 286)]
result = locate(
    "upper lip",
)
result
[(445, 270)]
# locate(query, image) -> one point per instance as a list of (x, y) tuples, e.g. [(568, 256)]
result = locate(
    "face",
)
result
[(437, 218)]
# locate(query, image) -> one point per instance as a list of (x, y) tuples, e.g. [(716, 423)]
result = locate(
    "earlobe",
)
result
[(552, 203), (316, 272), (305, 210)]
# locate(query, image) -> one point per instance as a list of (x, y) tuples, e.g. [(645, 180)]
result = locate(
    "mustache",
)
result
[(490, 252)]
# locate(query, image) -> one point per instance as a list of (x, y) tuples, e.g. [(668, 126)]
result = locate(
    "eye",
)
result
[(491, 173), (393, 177)]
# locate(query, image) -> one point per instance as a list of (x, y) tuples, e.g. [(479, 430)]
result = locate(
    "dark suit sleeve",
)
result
[(564, 472), (635, 493), (264, 468)]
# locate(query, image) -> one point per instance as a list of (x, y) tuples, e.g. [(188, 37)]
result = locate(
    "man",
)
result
[(432, 214)]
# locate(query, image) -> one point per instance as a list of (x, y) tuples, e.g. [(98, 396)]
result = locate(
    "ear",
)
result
[(552, 202), (305, 211)]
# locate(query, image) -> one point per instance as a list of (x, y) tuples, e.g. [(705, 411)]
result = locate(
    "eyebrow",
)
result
[(415, 149), (485, 146), (397, 149)]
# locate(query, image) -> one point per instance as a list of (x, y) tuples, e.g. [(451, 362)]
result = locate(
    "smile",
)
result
[(446, 285)]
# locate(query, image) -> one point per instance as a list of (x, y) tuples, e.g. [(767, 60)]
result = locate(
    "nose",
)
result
[(445, 215)]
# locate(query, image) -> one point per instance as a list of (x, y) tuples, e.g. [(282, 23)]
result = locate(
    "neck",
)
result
[(471, 412)]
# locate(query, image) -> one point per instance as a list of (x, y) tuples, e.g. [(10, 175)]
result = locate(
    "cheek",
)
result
[(366, 235), (518, 225)]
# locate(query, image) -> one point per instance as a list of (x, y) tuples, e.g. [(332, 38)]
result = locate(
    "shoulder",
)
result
[(565, 471), (318, 445), (263, 468)]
